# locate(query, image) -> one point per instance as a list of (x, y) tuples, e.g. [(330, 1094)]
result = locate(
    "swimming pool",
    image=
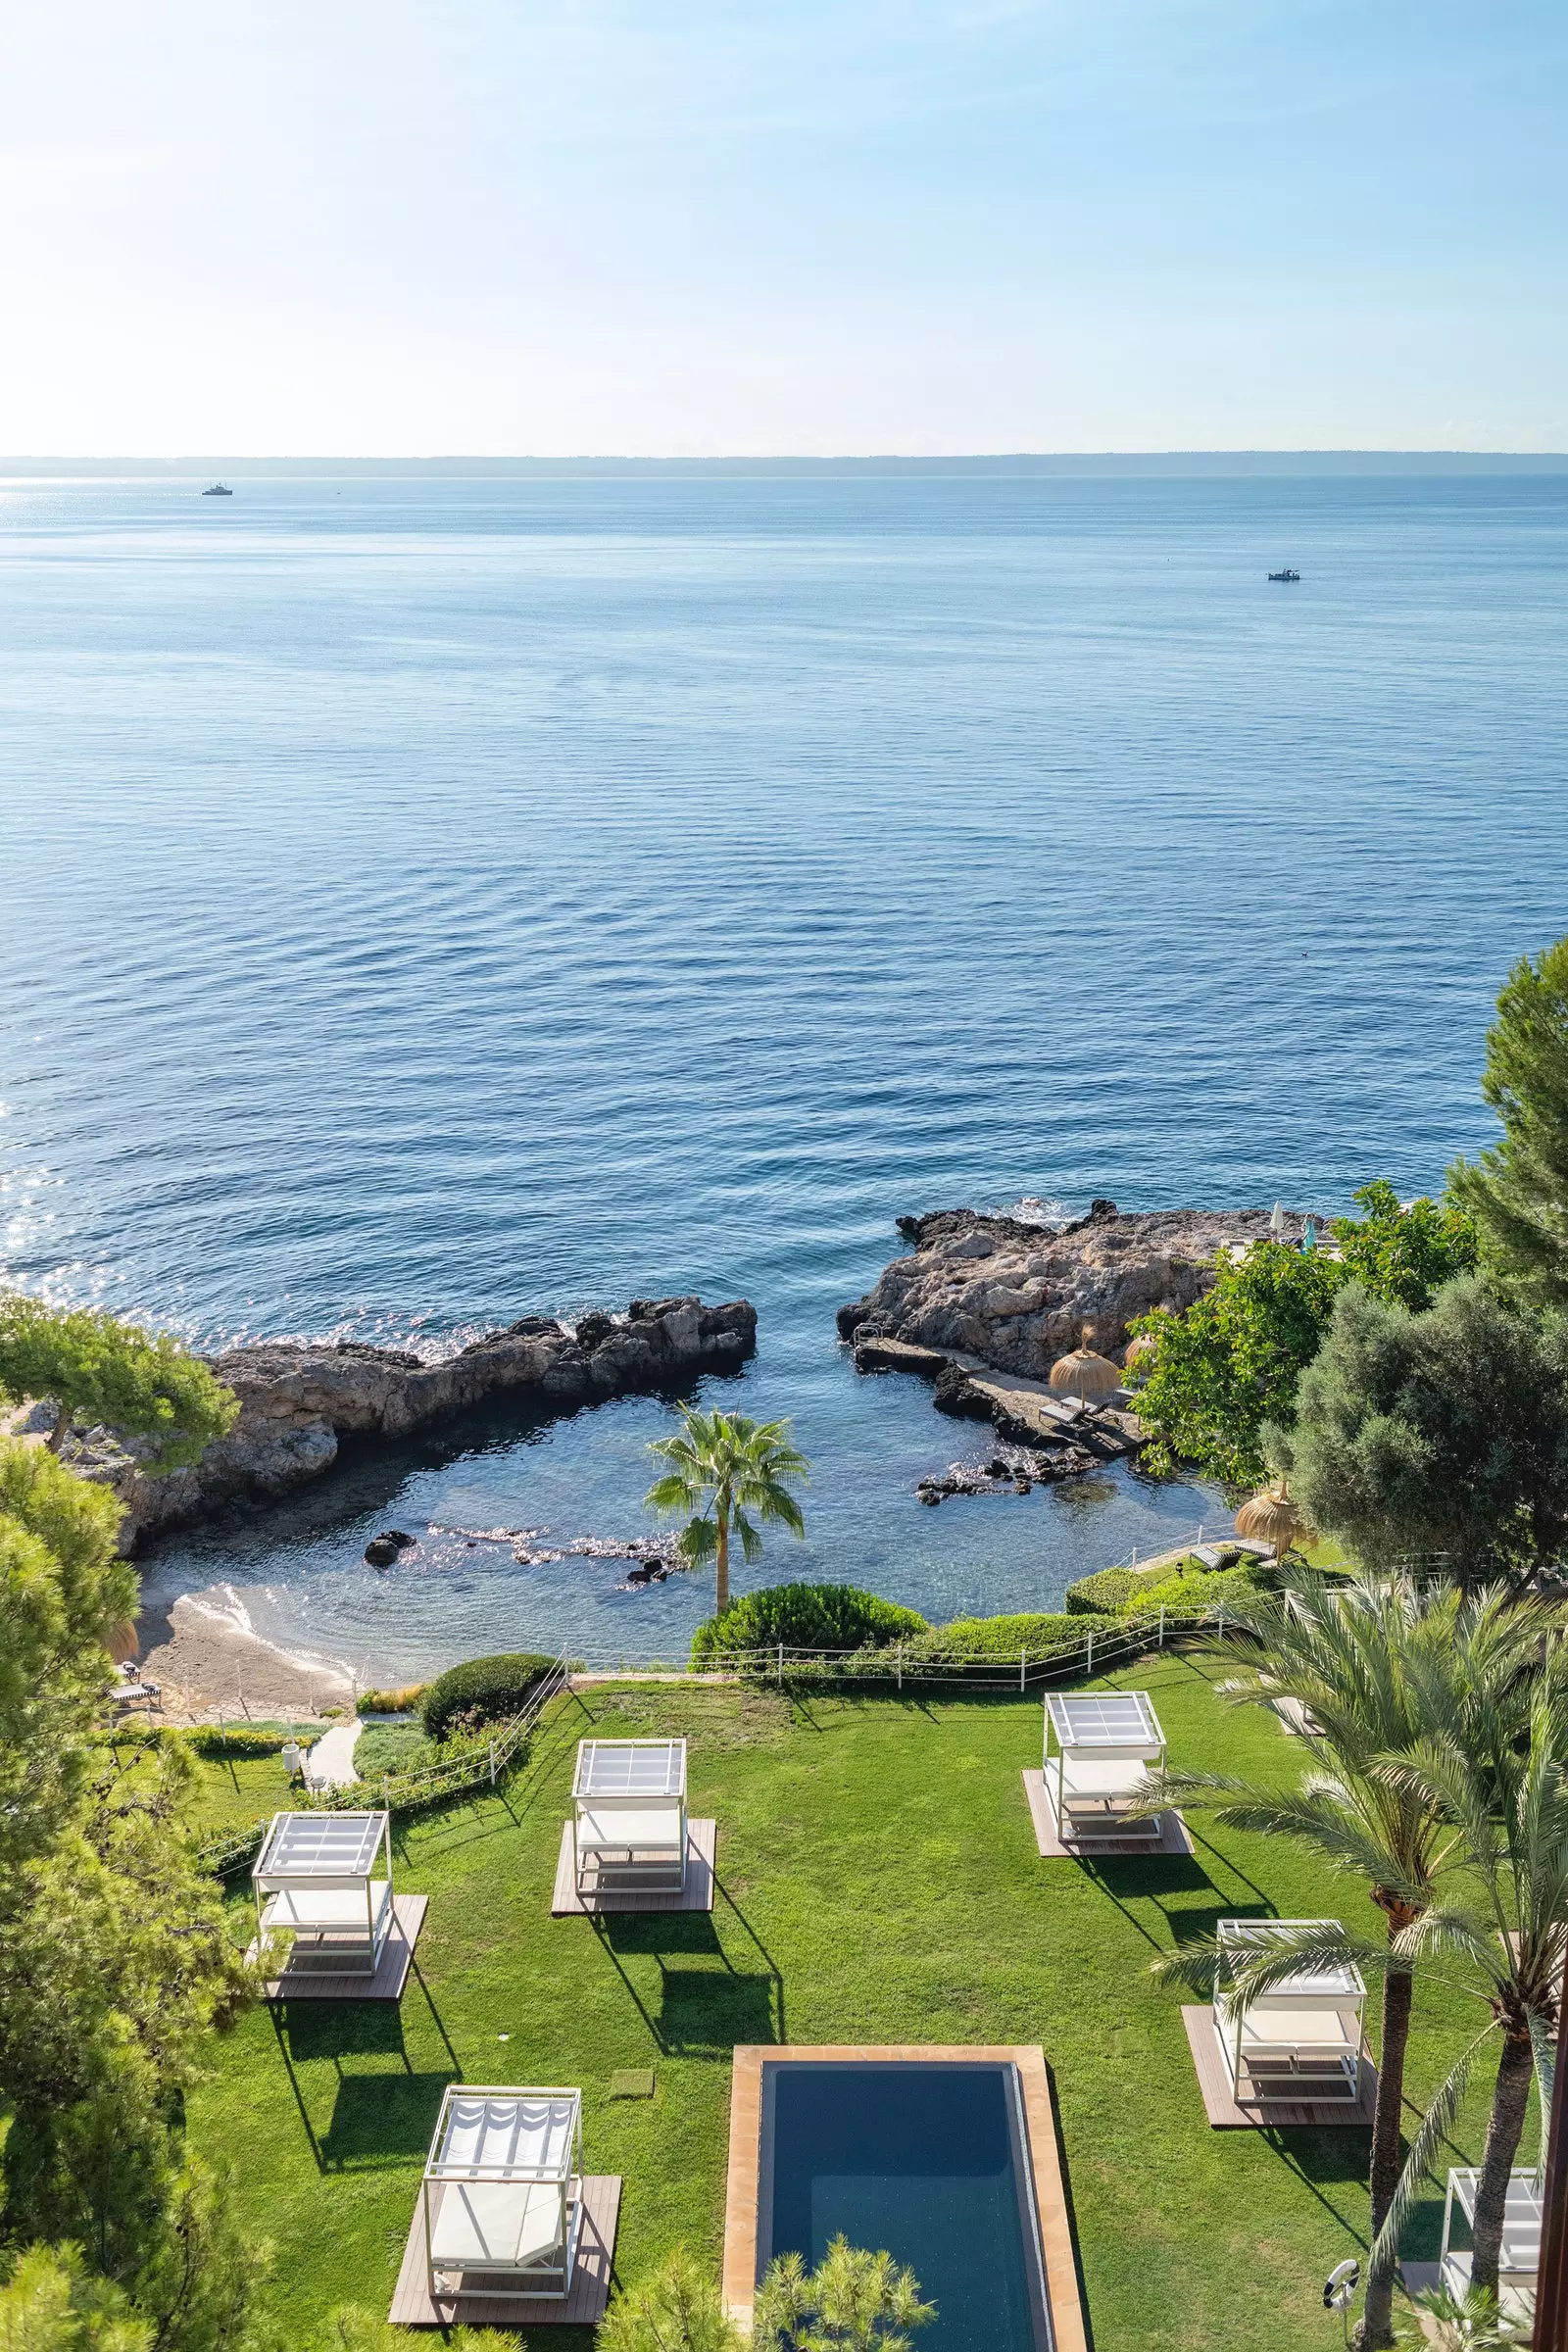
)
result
[(929, 2155)]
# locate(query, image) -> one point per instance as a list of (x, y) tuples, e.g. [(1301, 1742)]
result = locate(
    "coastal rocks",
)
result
[(1013, 1296), (299, 1398), (382, 1550)]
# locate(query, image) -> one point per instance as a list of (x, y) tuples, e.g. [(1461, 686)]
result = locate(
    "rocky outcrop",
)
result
[(1016, 1296), (297, 1397)]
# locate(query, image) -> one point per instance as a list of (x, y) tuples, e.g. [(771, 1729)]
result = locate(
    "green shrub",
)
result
[(1043, 1634), (1105, 1595), (215, 1739), (1198, 1590), (483, 1689), (805, 1617)]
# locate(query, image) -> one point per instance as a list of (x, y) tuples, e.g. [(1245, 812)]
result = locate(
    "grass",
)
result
[(878, 1883)]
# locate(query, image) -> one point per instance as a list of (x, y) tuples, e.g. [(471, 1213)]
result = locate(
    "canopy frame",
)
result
[(309, 1880), (1107, 1742), (1280, 2044), (628, 1816), (488, 2190)]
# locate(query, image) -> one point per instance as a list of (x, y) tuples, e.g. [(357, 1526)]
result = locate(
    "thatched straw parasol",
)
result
[(1140, 1351), (1085, 1375), (1271, 1517), (122, 1642)]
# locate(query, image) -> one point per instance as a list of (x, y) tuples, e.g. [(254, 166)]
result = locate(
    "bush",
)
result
[(805, 1617), (483, 1689), (401, 1702), (389, 1748), (214, 1739), (1105, 1595), (1043, 1634)]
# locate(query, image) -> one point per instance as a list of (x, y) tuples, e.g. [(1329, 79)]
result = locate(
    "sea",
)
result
[(430, 902)]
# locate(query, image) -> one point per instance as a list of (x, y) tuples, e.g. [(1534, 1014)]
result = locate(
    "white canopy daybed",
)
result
[(1300, 2040), (503, 2193), (1108, 1743), (1520, 2255), (315, 1878), (628, 1826)]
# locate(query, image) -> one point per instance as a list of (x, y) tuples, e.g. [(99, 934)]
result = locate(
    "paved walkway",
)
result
[(331, 1762)]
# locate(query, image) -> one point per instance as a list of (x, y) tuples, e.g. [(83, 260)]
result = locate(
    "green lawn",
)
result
[(878, 1883)]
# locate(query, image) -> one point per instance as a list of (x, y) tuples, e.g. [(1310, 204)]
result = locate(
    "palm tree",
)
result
[(1506, 1799), (722, 1469), (1378, 1666)]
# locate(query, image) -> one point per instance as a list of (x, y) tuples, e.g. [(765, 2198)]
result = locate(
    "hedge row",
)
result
[(805, 1617)]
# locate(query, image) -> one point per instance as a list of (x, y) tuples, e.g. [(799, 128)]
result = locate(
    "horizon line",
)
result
[(1355, 460)]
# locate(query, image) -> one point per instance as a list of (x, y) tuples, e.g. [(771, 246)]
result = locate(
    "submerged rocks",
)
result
[(299, 1398), (1015, 1296)]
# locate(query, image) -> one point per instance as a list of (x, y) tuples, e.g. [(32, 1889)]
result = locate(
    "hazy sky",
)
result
[(412, 227)]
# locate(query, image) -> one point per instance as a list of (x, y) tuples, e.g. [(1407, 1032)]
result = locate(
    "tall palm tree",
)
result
[(1506, 1797), (727, 1472), (1378, 1666)]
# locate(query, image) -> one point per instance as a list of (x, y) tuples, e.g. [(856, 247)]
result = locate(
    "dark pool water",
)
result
[(926, 2161)]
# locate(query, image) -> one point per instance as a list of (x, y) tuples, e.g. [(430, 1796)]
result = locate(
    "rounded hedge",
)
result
[(485, 1689), (1105, 1595), (805, 1617)]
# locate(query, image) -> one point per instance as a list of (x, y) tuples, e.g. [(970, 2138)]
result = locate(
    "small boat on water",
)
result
[(1286, 574), (219, 490)]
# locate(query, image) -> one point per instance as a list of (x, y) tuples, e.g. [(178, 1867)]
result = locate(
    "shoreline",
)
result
[(213, 1666)]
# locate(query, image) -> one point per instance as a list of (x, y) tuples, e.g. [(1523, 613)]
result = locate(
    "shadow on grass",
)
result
[(339, 2030), (380, 2122), (708, 2010), (1065, 2171), (1330, 2158)]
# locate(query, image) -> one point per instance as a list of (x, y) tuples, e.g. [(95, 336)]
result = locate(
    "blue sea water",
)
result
[(427, 902)]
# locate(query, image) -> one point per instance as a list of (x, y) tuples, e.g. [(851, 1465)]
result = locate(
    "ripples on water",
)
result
[(431, 902)]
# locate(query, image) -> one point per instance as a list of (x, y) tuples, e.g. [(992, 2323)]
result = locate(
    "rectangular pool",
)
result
[(929, 2158)]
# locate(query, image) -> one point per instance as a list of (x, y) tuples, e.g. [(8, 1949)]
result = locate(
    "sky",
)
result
[(384, 228)]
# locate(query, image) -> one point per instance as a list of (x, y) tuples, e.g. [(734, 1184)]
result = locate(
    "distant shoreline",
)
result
[(1138, 465)]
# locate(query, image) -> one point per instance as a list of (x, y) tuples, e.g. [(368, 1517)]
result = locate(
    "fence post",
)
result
[(1222, 1621), (1023, 1660), (386, 1792), (1163, 1625), (1089, 1659), (781, 1665), (899, 1662), (492, 1763)]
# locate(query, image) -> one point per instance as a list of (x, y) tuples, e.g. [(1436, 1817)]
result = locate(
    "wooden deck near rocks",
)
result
[(1167, 1832), (1219, 2099), (583, 2305), (701, 1840), (306, 1983)]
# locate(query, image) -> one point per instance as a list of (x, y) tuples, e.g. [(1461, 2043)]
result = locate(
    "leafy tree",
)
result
[(52, 2303), (1378, 1667), (116, 1961), (677, 2310), (855, 2302), (1229, 1365), (1446, 1431), (93, 1368), (722, 1469), (1517, 1191)]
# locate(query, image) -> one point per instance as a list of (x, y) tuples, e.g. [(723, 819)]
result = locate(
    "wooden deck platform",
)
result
[(1219, 2099), (702, 1839), (1171, 1837), (583, 2305), (391, 1973)]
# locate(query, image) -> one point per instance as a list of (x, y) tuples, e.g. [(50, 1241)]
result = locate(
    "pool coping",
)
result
[(1066, 2312)]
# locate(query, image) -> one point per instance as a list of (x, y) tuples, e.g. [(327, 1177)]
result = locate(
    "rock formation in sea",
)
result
[(297, 1397), (1016, 1296)]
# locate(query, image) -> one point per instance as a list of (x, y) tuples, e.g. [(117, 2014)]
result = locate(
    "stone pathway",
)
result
[(331, 1762)]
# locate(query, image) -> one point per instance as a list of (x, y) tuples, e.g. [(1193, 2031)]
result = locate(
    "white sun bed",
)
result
[(1107, 1742), (628, 1826), (1519, 2258), (503, 2193), (1300, 2040), (317, 1879)]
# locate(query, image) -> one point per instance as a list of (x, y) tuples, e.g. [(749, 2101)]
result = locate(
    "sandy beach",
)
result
[(214, 1664)]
